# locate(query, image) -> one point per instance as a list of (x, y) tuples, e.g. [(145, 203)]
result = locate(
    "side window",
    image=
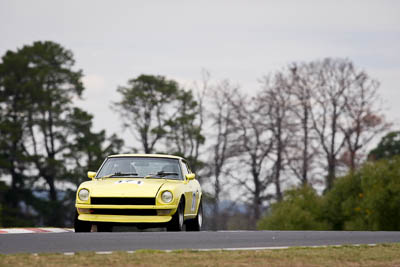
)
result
[(185, 169)]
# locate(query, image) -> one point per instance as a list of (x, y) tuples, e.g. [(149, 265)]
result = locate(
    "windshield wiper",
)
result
[(120, 174), (160, 174)]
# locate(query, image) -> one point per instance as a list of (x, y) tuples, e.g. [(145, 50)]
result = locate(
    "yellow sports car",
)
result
[(144, 190)]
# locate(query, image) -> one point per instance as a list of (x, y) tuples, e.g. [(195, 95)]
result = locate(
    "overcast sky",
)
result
[(114, 41)]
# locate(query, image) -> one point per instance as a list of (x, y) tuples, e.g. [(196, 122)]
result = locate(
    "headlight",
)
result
[(166, 197), (83, 194)]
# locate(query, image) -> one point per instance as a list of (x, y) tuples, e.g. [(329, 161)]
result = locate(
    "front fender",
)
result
[(176, 188)]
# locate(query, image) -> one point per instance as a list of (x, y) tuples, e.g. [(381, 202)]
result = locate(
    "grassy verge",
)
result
[(381, 255)]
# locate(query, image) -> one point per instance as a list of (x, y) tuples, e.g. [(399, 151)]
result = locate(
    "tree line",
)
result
[(45, 139), (364, 199), (307, 124)]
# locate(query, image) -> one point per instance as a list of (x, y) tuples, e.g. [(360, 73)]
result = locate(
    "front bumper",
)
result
[(86, 211)]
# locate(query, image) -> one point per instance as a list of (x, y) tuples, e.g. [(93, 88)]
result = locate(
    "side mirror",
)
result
[(190, 176), (91, 175)]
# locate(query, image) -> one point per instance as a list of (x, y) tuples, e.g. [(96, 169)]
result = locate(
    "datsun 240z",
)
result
[(144, 190)]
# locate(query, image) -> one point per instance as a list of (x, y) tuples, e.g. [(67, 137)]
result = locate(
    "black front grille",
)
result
[(123, 200), (124, 212)]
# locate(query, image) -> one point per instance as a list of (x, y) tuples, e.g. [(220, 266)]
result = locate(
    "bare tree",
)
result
[(276, 103), (303, 148), (221, 148), (333, 77), (254, 142), (336, 112), (345, 114), (364, 119)]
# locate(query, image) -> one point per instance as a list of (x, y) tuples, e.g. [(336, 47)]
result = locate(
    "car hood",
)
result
[(124, 187)]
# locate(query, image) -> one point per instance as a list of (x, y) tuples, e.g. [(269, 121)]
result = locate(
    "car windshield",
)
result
[(141, 167)]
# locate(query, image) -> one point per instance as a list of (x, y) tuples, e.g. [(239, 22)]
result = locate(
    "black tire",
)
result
[(196, 223), (81, 226), (176, 224), (104, 227)]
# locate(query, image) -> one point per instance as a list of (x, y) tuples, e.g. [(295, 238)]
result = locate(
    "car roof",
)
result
[(146, 156)]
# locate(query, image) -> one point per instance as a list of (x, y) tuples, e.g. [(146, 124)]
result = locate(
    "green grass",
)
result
[(380, 255)]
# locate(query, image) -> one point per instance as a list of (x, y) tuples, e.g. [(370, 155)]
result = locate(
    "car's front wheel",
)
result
[(176, 224), (196, 223), (81, 226)]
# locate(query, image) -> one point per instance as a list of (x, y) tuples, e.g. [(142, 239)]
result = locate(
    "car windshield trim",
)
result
[(118, 174), (161, 174), (139, 171), (153, 176)]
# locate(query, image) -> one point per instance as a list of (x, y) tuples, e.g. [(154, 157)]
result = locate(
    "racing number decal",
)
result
[(194, 201)]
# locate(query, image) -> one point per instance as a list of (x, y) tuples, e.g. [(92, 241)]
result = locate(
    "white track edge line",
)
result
[(103, 252), (227, 249), (69, 253)]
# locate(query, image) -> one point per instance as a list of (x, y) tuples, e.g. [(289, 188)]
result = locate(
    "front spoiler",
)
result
[(124, 218)]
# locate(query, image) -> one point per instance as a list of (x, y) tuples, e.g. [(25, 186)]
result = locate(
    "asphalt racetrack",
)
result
[(130, 241)]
